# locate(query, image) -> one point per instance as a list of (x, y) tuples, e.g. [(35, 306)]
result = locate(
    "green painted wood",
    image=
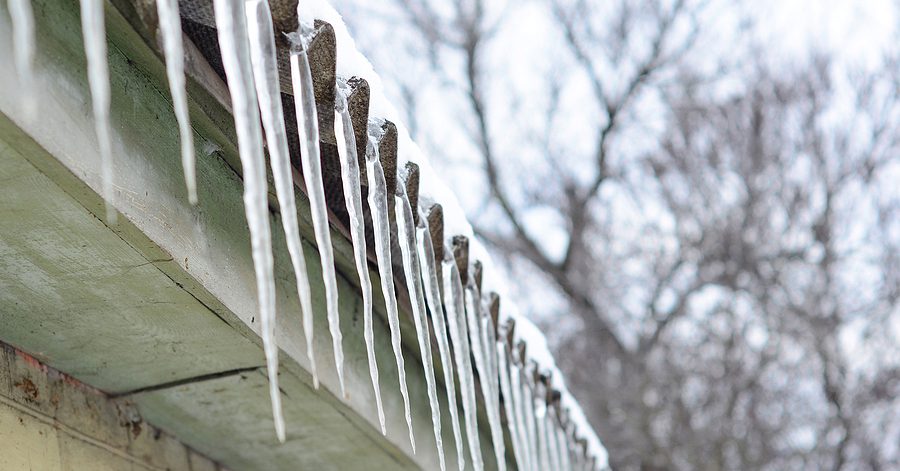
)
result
[(208, 409), (93, 305)]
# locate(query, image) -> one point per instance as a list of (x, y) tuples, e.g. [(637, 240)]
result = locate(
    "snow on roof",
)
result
[(351, 62)]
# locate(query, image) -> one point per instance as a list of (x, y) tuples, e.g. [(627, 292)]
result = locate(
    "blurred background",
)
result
[(697, 200)]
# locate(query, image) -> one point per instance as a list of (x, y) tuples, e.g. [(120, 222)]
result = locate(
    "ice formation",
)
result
[(456, 319), (382, 233), (540, 414), (308, 129), (93, 30), (435, 306), (518, 394), (477, 340), (248, 53), (268, 92), (406, 232), (531, 423), (343, 131), (22, 16), (234, 44), (170, 29), (351, 62), (562, 446), (509, 406)]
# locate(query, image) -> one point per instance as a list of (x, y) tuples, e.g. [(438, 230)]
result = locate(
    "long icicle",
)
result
[(563, 447), (477, 339), (433, 297), (577, 459), (308, 130), (93, 29), (407, 234), (512, 421), (268, 91), (543, 437), (170, 27), (530, 424), (22, 16), (459, 334), (233, 44), (343, 131), (489, 337), (555, 452), (518, 394), (382, 232)]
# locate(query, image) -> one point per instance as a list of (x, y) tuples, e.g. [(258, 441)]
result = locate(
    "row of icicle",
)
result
[(542, 437)]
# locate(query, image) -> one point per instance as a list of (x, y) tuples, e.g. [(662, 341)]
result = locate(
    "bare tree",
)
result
[(730, 269)]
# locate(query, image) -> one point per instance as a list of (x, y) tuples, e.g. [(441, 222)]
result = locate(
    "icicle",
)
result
[(233, 44), (586, 462), (459, 334), (170, 27), (477, 340), (308, 130), (550, 436), (382, 232), (489, 336), (530, 424), (582, 461), (577, 462), (23, 44), (562, 446), (433, 296), (265, 72), (407, 235), (509, 405), (93, 29), (343, 131), (540, 416), (553, 436), (515, 376)]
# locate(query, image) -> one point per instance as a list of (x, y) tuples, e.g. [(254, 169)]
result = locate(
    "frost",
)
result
[(382, 232), (232, 32), (433, 296), (308, 130), (459, 334), (94, 31), (23, 43), (265, 72), (478, 340), (407, 235), (170, 27), (343, 131)]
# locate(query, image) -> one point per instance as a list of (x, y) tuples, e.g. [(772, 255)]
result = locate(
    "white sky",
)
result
[(854, 29)]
